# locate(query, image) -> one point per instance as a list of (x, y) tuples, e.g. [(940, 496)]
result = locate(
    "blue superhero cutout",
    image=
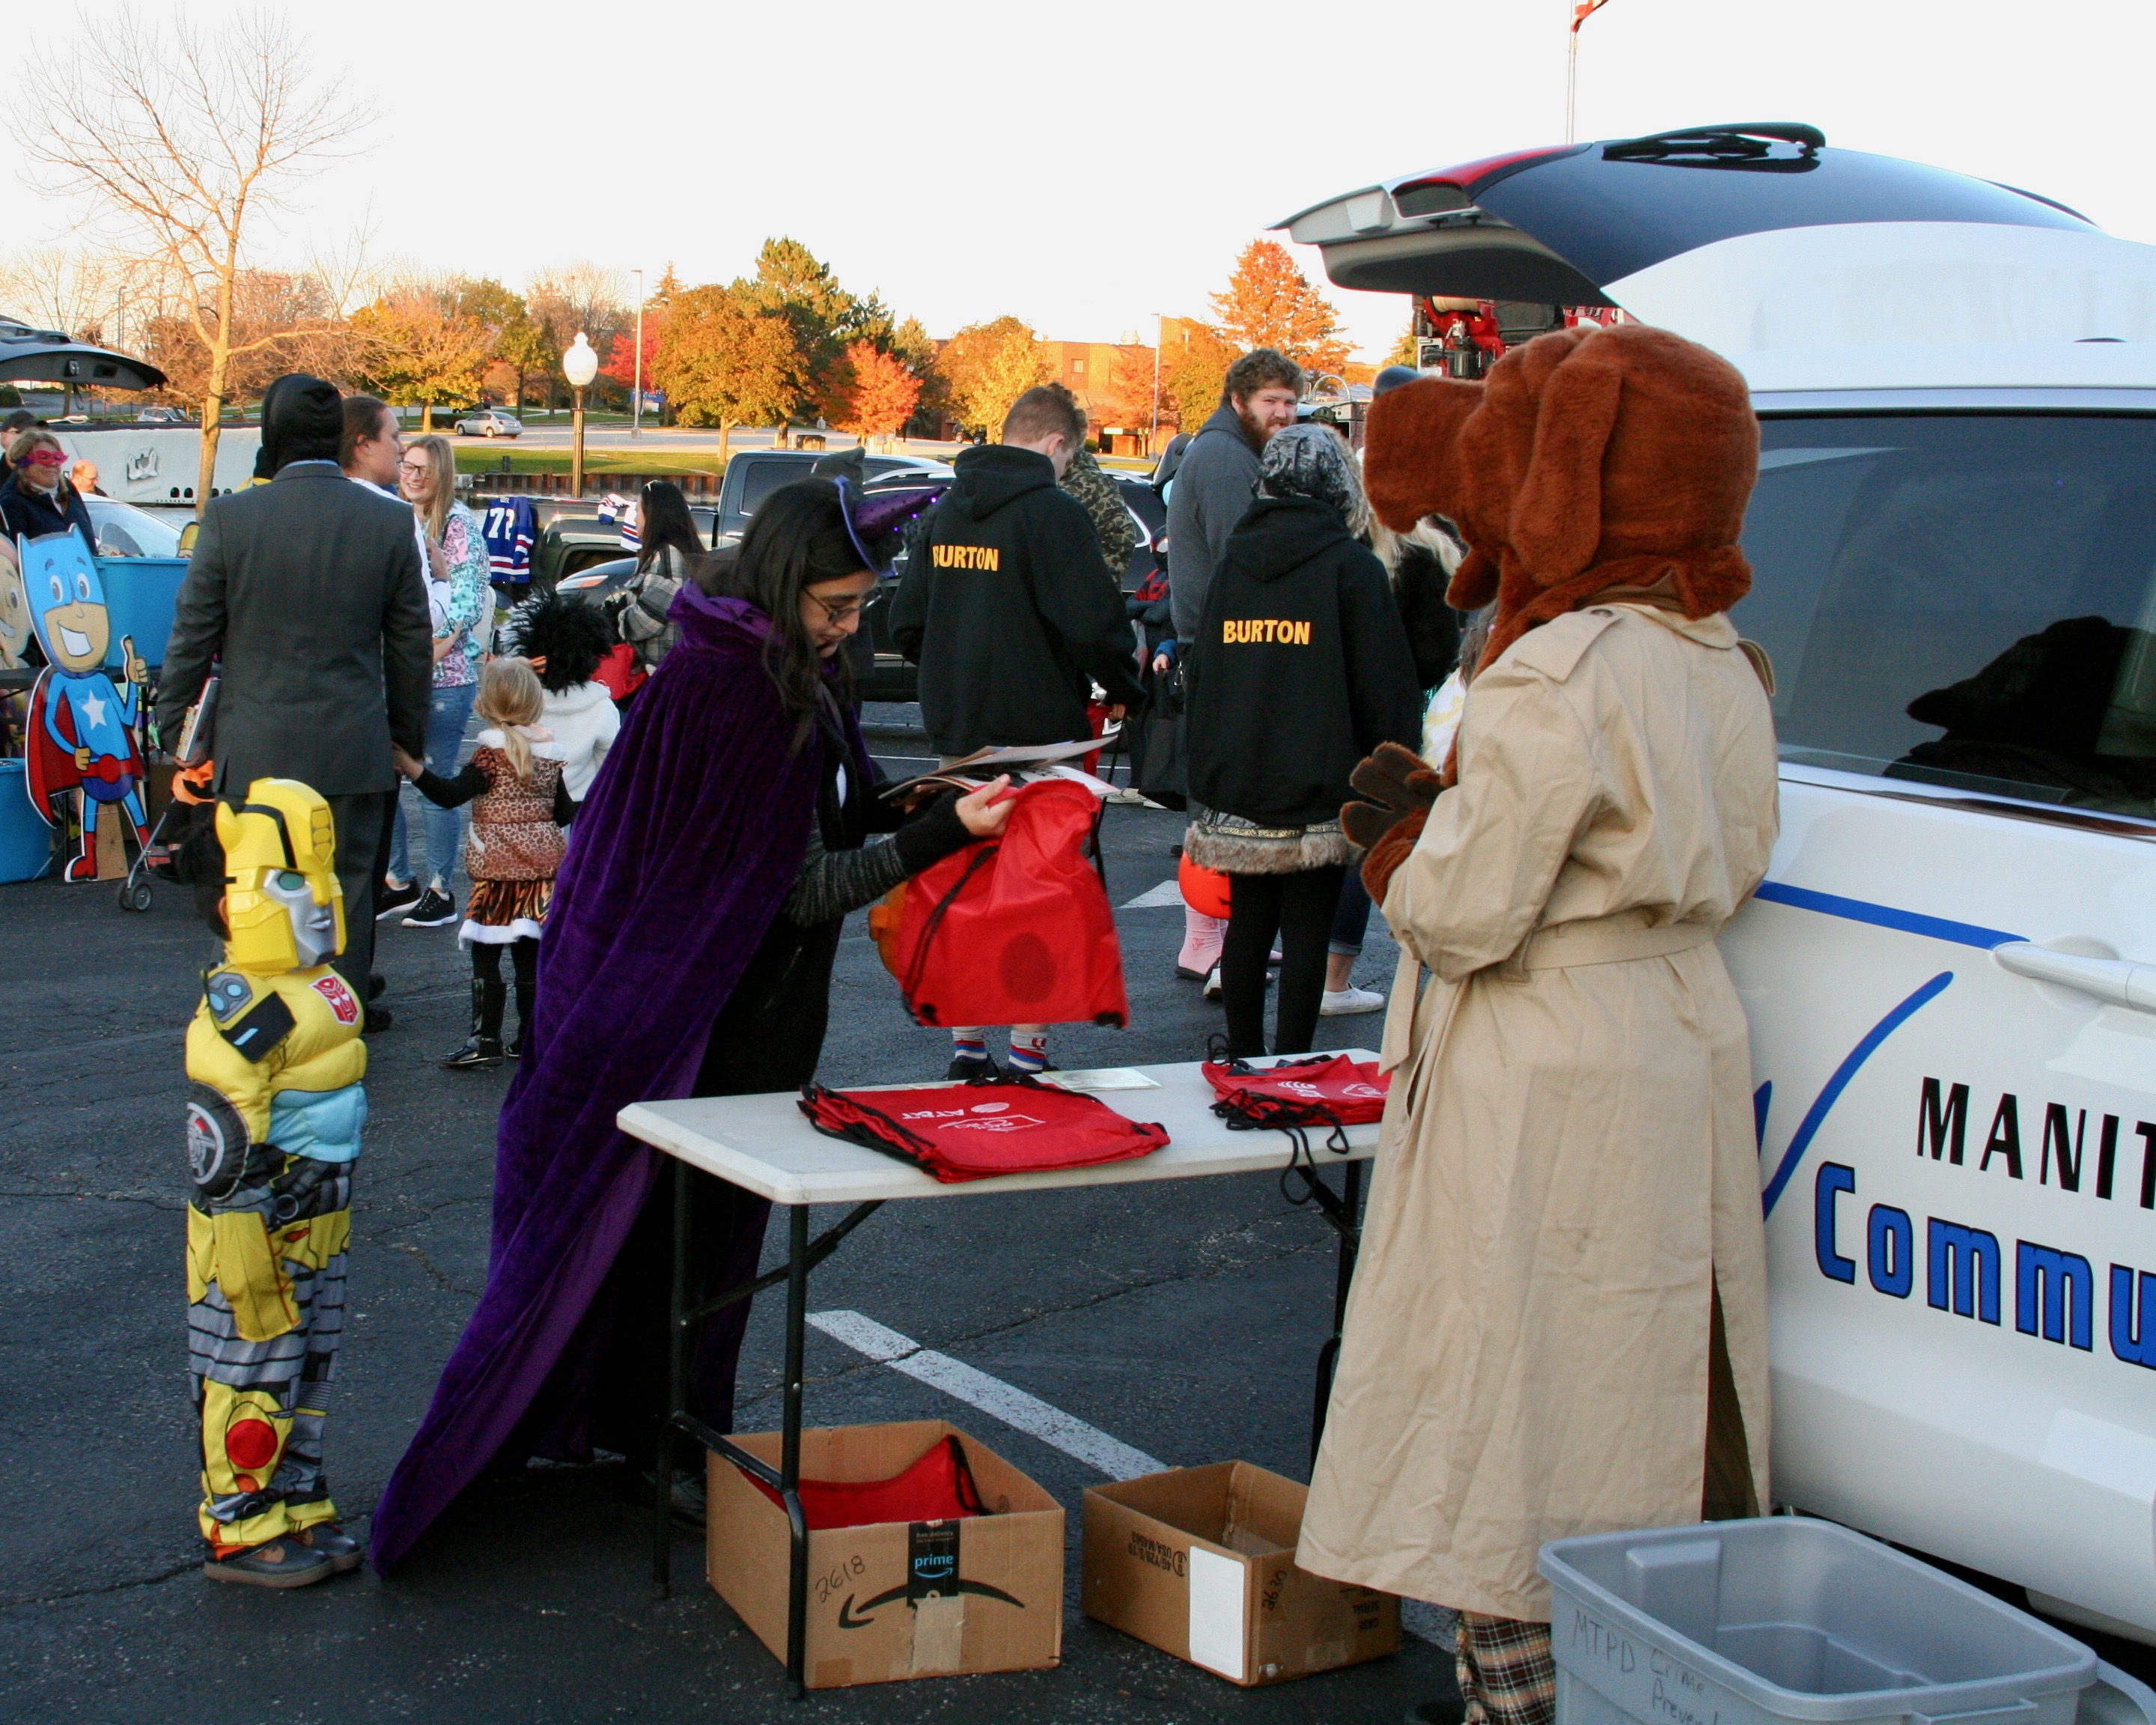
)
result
[(81, 729)]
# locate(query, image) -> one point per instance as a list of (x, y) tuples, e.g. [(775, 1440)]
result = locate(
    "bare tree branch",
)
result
[(179, 143)]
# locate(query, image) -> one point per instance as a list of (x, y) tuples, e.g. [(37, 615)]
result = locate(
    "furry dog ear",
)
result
[(1557, 517), (1409, 449)]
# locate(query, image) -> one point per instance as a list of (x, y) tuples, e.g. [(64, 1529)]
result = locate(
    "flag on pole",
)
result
[(1583, 9)]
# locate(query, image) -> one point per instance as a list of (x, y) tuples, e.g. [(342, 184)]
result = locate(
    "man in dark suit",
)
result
[(308, 588)]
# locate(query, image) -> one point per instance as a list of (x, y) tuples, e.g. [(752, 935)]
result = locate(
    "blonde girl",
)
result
[(514, 848)]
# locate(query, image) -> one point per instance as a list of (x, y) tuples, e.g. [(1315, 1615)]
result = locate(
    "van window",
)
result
[(1968, 600)]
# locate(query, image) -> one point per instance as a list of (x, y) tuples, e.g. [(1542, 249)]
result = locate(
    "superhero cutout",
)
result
[(80, 733), (277, 1063)]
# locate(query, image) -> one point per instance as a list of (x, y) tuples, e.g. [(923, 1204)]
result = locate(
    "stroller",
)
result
[(164, 856)]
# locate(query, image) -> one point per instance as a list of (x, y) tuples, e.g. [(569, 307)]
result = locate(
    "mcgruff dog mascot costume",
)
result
[(1558, 1322), (277, 1063)]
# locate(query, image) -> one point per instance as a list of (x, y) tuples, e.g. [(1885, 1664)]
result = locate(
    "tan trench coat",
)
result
[(1567, 1165)]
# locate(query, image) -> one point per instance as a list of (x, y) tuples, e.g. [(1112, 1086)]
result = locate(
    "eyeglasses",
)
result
[(840, 612), (418, 469)]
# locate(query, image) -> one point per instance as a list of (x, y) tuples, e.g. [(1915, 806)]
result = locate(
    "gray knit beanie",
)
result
[(1312, 461)]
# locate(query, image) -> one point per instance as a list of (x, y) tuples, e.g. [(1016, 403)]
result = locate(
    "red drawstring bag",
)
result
[(1325, 1091), (1016, 930), (938, 1487), (1001, 1123), (619, 674)]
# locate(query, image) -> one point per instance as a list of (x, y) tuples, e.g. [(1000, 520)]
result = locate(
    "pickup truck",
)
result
[(1950, 970)]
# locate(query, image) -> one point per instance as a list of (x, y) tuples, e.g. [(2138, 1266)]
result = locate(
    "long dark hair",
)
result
[(663, 519), (797, 540)]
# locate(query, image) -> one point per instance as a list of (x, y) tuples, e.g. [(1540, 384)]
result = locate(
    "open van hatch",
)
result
[(1743, 236)]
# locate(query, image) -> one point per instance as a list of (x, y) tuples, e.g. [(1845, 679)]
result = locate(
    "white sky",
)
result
[(1086, 168)]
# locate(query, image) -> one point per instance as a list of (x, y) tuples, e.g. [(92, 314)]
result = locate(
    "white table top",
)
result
[(766, 1144)]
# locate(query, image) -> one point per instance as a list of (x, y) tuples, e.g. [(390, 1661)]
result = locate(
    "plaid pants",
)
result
[(1507, 1674)]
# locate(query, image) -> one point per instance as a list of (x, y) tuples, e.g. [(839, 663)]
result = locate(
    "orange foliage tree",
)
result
[(882, 394), (1270, 303)]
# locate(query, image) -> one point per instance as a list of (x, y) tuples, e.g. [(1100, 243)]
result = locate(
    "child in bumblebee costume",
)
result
[(276, 1062)]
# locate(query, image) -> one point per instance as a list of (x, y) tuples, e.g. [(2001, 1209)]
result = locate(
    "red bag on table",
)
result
[(1016, 930), (1323, 1090), (1002, 1123)]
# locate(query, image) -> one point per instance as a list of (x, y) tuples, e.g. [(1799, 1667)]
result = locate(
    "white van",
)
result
[(1951, 971)]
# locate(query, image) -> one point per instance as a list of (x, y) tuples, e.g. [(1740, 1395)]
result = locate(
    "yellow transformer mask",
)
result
[(283, 906)]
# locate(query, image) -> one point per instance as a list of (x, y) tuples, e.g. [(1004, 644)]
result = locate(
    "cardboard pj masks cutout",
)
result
[(80, 733), (15, 632)]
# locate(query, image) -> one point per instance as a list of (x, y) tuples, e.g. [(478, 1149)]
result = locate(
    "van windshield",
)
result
[(1966, 599)]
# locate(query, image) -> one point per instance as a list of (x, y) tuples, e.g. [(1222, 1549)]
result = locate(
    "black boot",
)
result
[(482, 1047), (515, 1047)]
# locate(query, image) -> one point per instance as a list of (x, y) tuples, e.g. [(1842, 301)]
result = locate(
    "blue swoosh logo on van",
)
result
[(1816, 1116), (1857, 910)]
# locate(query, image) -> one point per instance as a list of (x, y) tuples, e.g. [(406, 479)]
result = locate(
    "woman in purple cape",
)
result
[(688, 953)]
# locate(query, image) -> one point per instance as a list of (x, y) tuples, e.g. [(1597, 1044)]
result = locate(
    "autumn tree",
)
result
[(572, 297), (1407, 350), (826, 320), (883, 396), (1270, 303), (913, 346), (1128, 399), (725, 360), (264, 301), (181, 144), (990, 366), (429, 339), (1194, 372)]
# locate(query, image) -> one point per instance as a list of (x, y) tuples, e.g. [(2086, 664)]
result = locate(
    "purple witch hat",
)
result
[(883, 515)]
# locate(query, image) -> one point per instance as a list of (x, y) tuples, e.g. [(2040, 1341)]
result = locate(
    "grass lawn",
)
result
[(488, 459)]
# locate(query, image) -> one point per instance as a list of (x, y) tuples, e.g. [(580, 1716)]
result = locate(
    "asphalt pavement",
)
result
[(1182, 1318)]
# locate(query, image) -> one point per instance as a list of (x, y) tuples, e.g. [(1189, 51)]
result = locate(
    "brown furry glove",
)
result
[(1401, 786), (1389, 852)]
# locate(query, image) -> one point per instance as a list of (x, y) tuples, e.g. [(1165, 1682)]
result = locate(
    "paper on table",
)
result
[(1101, 1078), (985, 764)]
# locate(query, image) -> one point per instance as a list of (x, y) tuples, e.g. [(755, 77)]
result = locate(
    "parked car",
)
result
[(575, 540), (754, 475), (1953, 548), (160, 416), (124, 531), (489, 422)]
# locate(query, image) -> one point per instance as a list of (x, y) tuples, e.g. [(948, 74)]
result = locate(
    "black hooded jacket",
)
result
[(1008, 610), (1300, 668)]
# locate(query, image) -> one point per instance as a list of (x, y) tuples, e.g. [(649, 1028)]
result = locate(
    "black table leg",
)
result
[(789, 1464), (677, 1395), (1346, 1215)]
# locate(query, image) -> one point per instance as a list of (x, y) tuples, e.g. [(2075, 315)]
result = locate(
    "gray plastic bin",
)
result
[(1747, 1623)]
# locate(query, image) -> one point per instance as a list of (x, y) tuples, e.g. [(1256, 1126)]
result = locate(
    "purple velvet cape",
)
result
[(679, 861)]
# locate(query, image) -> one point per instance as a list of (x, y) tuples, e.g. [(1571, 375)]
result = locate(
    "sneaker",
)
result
[(340, 1548), (1212, 988), (434, 910), (395, 901), (964, 1069), (281, 1563), (1346, 1003), (478, 1051)]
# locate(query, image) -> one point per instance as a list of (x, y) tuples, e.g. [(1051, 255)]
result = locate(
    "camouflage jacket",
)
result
[(1085, 480)]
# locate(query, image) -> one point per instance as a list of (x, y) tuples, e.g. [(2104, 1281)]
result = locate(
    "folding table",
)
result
[(765, 1144)]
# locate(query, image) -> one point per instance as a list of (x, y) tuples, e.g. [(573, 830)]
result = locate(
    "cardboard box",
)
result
[(880, 1603), (1200, 1561)]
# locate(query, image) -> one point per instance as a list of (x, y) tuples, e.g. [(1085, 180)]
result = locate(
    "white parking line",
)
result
[(1054, 1427), (1157, 898), (1003, 1401)]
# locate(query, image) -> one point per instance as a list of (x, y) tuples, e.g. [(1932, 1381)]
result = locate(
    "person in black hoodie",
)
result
[(1300, 668), (1012, 616)]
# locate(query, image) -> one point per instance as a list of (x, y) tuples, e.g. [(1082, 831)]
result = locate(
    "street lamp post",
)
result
[(636, 413), (1159, 337), (1581, 10), (579, 365)]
